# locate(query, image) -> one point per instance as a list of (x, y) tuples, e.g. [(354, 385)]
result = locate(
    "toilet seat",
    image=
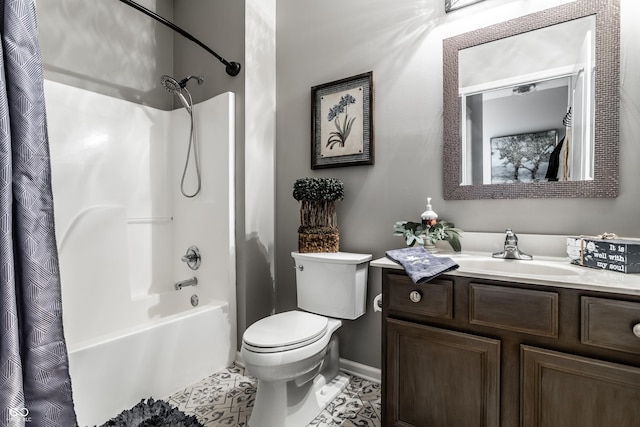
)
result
[(285, 331)]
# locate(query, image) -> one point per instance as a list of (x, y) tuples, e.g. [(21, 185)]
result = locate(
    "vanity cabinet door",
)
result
[(565, 390), (435, 377)]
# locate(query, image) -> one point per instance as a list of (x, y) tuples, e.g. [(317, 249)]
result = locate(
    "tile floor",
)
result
[(226, 399)]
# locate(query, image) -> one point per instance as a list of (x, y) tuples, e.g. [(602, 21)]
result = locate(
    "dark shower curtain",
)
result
[(35, 389)]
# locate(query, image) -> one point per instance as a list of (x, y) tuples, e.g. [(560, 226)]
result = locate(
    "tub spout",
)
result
[(189, 282)]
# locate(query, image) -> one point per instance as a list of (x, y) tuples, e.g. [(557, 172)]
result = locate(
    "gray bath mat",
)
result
[(153, 413)]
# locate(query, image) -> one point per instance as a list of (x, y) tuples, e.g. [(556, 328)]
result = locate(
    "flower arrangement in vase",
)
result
[(427, 235), (429, 231)]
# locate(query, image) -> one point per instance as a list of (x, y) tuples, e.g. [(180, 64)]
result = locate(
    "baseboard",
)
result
[(363, 371), (348, 366), (239, 360)]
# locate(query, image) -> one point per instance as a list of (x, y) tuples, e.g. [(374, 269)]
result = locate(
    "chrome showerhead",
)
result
[(170, 84), (177, 87), (174, 87)]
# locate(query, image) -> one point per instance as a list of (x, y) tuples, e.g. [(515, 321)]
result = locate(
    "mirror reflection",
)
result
[(526, 106)]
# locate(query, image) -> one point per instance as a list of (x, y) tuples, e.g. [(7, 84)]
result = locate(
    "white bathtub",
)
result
[(122, 228), (114, 372)]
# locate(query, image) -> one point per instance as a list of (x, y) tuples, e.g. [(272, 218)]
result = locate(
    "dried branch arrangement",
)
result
[(318, 231)]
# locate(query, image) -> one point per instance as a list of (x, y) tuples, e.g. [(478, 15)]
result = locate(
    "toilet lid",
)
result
[(285, 331)]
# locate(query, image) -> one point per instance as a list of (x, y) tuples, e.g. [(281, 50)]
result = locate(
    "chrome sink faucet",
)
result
[(511, 250)]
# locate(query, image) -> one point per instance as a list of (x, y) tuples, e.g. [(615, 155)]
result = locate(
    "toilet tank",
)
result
[(332, 284)]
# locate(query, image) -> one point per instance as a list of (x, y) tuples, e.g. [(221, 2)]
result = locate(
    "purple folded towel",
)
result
[(420, 265)]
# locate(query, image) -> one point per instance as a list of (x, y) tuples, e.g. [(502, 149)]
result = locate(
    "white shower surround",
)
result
[(122, 227)]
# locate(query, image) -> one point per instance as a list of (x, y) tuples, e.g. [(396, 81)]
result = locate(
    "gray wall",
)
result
[(220, 26), (108, 47), (401, 42)]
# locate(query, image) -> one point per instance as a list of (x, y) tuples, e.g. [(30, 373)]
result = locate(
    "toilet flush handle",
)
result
[(299, 267)]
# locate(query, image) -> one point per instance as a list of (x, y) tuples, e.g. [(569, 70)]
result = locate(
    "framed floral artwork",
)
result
[(342, 122)]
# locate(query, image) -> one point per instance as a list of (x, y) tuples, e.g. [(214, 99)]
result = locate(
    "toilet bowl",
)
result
[(286, 345), (296, 380), (294, 355)]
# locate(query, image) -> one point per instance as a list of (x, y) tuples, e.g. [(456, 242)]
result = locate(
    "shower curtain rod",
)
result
[(232, 68)]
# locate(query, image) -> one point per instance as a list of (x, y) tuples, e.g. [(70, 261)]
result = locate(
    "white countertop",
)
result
[(546, 271)]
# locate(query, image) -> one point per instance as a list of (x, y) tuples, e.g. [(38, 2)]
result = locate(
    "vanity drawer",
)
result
[(520, 310), (609, 323), (434, 298)]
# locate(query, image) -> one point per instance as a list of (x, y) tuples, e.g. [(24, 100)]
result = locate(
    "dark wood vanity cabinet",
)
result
[(440, 377), (471, 352)]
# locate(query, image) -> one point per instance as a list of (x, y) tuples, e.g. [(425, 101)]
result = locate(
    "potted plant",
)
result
[(318, 231), (427, 235)]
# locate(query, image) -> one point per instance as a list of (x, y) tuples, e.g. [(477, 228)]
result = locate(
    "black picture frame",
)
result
[(531, 152), (342, 122)]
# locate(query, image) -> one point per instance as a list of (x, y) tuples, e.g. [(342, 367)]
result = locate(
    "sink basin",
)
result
[(517, 267)]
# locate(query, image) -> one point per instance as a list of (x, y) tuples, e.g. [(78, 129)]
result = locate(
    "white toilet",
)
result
[(294, 354)]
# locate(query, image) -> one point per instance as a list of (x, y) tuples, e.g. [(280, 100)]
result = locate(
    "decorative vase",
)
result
[(431, 248), (318, 231)]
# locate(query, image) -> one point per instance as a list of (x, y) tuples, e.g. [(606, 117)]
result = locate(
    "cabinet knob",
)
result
[(636, 330), (415, 296)]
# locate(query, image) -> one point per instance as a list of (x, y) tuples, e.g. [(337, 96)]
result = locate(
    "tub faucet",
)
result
[(189, 282), (511, 250)]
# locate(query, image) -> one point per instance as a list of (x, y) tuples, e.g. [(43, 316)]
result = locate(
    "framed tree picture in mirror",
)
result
[(341, 122), (521, 158)]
